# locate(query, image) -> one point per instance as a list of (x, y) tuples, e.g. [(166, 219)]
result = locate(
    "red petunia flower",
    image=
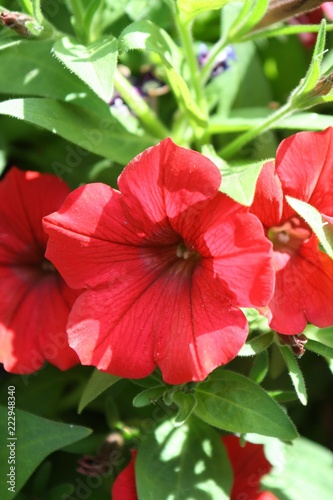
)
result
[(304, 274), (167, 261), (34, 299), (248, 463)]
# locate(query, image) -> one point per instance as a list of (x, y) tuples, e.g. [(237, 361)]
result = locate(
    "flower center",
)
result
[(290, 235), (183, 252), (48, 267)]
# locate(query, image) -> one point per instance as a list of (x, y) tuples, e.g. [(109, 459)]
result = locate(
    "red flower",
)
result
[(34, 300), (166, 263), (304, 274), (248, 463)]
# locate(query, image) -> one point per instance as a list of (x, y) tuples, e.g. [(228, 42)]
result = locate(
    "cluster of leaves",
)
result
[(62, 77)]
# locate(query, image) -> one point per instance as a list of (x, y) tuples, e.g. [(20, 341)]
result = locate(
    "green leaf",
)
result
[(257, 344), (319, 348), (102, 136), (259, 368), (234, 403), (294, 373), (37, 73), (94, 64), (192, 8), (322, 335), (320, 226), (98, 383), (186, 404), (187, 462), (291, 481), (148, 396), (283, 396), (240, 183), (250, 15), (146, 35), (36, 438)]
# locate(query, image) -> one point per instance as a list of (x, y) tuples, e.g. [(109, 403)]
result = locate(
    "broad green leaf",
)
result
[(94, 64), (240, 183), (192, 8), (320, 226), (37, 73), (294, 373), (290, 480), (186, 404), (102, 136), (260, 367), (36, 438), (148, 396), (234, 403), (98, 383), (257, 345), (146, 35), (187, 462)]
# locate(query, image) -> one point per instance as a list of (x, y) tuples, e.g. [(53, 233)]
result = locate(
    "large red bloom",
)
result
[(166, 262), (34, 299), (248, 463), (304, 274)]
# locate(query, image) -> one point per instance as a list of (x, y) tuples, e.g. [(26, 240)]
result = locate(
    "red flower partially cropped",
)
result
[(304, 274), (124, 486), (34, 299), (248, 464), (313, 17), (166, 262)]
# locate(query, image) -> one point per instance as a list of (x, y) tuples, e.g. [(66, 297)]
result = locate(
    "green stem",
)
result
[(148, 118), (78, 21), (234, 146), (213, 53), (187, 42), (27, 7)]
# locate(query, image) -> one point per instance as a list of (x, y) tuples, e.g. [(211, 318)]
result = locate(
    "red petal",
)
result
[(268, 200), (124, 486), (92, 239), (235, 249), (304, 166), (249, 464), (165, 180), (33, 322), (199, 331), (21, 211), (303, 291), (328, 9)]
